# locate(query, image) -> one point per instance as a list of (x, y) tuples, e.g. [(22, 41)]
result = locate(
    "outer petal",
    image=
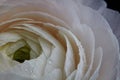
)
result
[(95, 4), (113, 18), (104, 38)]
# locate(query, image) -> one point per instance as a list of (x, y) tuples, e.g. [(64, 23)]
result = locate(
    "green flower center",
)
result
[(22, 54)]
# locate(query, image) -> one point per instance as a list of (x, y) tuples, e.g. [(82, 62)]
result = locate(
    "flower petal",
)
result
[(31, 69), (56, 74), (11, 76), (4, 38), (97, 63), (71, 76), (94, 4), (86, 36), (113, 18), (80, 55), (69, 61), (104, 38)]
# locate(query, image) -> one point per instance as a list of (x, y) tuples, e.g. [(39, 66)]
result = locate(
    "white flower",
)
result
[(57, 40)]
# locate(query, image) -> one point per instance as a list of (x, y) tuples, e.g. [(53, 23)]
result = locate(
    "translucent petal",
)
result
[(95, 4), (104, 38), (8, 37), (113, 18)]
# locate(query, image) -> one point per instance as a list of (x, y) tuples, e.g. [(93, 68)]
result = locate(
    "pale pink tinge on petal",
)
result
[(104, 38)]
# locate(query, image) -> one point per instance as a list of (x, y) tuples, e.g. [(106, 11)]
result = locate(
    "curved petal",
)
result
[(4, 38), (113, 18), (104, 38), (96, 64), (5, 62), (86, 36), (94, 4), (56, 59), (69, 60), (80, 55)]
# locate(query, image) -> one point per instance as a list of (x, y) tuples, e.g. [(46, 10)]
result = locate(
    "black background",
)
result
[(113, 4)]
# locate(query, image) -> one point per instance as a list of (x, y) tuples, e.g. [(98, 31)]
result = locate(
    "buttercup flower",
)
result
[(57, 40)]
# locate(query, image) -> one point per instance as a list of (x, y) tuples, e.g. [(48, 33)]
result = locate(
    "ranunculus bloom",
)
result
[(57, 40)]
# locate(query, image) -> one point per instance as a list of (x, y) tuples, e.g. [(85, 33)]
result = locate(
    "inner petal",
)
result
[(18, 51)]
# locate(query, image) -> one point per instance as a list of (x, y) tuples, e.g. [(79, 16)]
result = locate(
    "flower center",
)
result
[(22, 54), (18, 51)]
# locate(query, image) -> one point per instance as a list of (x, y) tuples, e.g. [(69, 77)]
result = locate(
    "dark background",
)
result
[(113, 4)]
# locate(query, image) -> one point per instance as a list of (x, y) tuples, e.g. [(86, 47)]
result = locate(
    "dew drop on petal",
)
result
[(50, 62)]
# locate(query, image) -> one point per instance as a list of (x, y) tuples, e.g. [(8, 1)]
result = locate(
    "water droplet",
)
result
[(31, 71), (26, 70), (50, 61), (33, 76)]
